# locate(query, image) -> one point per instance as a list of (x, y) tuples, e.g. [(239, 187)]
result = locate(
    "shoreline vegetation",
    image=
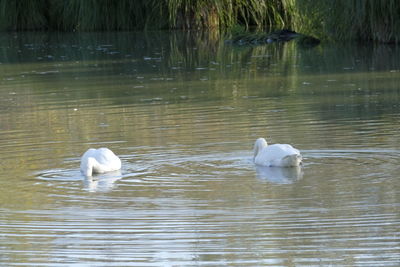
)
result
[(339, 20)]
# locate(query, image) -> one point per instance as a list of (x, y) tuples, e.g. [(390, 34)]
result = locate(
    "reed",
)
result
[(375, 20), (223, 14)]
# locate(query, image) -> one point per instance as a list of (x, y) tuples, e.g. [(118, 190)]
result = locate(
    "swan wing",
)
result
[(108, 160)]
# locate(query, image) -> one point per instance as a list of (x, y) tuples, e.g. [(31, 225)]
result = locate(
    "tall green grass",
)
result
[(376, 20)]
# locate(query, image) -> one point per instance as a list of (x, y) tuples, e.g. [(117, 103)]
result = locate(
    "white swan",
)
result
[(99, 161), (277, 155)]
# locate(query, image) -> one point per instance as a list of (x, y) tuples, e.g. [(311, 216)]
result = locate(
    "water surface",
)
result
[(182, 111)]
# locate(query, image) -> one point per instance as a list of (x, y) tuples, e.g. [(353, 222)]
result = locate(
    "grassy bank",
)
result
[(372, 20)]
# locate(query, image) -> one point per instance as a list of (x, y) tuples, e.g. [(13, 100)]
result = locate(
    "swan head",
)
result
[(259, 145)]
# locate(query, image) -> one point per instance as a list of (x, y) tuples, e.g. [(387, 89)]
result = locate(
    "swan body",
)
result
[(99, 161), (277, 155)]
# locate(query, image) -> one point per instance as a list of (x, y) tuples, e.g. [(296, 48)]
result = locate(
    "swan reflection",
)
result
[(279, 175), (103, 182)]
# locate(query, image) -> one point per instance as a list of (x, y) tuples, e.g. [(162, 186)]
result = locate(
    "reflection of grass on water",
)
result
[(184, 50), (171, 52)]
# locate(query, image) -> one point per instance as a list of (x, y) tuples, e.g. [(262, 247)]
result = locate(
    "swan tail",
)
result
[(292, 160)]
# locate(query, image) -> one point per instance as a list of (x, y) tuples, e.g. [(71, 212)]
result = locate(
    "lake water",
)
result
[(183, 111)]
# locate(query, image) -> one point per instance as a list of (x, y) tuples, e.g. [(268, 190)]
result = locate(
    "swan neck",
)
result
[(259, 145), (88, 171)]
